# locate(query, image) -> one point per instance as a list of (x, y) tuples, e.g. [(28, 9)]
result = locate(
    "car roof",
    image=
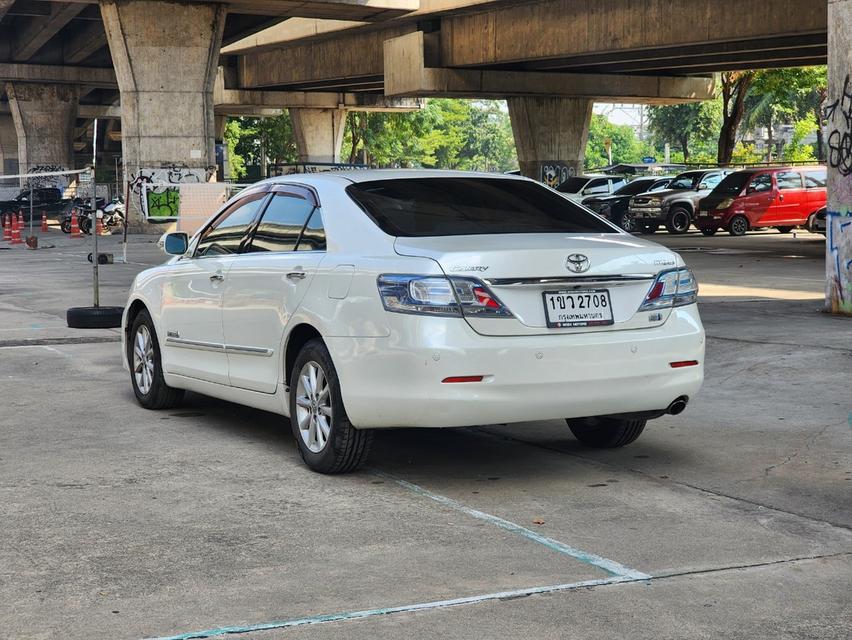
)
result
[(782, 168), (370, 175)]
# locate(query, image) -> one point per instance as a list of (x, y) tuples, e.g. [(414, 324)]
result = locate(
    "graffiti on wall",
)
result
[(555, 173), (157, 198), (838, 118), (44, 182)]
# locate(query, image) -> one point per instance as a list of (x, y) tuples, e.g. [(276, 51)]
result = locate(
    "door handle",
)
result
[(781, 197), (297, 275), (217, 277)]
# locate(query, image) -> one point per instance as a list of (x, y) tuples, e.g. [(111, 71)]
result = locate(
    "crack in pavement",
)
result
[(42, 342)]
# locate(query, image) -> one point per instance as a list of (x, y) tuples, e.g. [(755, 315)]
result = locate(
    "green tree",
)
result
[(735, 88), (233, 133), (626, 147), (265, 140), (685, 126)]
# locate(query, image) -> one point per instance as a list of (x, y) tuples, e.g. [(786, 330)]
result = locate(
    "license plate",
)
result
[(590, 308), (703, 213)]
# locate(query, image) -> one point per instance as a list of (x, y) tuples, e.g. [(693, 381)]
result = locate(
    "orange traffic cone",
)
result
[(7, 228), (16, 235), (20, 220), (99, 225), (75, 228), (44, 222)]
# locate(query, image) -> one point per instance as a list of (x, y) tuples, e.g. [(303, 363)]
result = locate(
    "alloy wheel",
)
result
[(143, 359), (628, 223), (313, 406)]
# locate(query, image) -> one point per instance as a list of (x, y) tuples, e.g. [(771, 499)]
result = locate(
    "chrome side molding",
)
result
[(183, 343), (580, 281)]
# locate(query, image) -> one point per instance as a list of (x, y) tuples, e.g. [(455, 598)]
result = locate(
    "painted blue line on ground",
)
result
[(410, 608), (610, 566)]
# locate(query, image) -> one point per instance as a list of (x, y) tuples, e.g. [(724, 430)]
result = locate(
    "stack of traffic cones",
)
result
[(20, 220), (7, 228), (17, 224), (75, 227), (44, 223)]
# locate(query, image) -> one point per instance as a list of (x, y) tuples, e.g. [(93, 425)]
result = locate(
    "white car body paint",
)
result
[(391, 365)]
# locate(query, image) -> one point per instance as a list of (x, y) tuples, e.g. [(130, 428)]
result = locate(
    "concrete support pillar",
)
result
[(165, 56), (44, 116), (8, 145), (550, 136), (838, 113), (318, 133)]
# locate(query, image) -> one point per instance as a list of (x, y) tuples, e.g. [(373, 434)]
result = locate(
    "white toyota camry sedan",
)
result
[(372, 299)]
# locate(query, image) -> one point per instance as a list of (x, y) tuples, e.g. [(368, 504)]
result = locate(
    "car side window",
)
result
[(599, 185), (226, 233), (313, 237), (761, 183), (788, 180), (712, 180), (815, 179), (282, 224), (659, 186)]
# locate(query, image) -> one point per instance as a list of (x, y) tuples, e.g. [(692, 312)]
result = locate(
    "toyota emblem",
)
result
[(578, 263)]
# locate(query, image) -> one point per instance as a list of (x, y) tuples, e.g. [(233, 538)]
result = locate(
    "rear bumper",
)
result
[(715, 220), (397, 381)]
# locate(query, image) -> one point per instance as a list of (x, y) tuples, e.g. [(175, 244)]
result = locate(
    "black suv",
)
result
[(46, 200), (614, 207)]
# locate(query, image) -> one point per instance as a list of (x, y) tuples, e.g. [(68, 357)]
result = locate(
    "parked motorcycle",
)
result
[(112, 215)]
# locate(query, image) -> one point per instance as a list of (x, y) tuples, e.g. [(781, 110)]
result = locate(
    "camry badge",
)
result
[(578, 263)]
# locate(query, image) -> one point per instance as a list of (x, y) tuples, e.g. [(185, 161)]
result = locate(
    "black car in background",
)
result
[(614, 207), (46, 200)]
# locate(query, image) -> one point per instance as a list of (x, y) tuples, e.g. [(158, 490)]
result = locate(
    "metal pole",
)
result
[(31, 207), (94, 225)]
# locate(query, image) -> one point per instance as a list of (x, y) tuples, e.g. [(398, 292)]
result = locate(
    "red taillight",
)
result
[(453, 379), (656, 291), (683, 363), (484, 298)]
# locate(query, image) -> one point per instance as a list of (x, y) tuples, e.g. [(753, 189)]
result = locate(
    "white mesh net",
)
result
[(189, 205)]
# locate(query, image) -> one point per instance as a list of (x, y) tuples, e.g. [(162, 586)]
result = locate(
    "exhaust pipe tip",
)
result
[(678, 406)]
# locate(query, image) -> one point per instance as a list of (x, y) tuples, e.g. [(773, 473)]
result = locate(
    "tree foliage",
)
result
[(685, 126)]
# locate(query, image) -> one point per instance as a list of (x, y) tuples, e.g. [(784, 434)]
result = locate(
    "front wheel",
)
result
[(606, 433), (327, 441), (65, 225), (678, 221), (738, 226), (628, 222), (146, 366)]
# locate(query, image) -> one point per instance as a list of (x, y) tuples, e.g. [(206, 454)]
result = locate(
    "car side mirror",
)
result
[(703, 186), (176, 243)]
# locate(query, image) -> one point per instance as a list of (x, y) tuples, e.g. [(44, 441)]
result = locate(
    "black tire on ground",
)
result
[(65, 225), (160, 395), (346, 447), (628, 222), (709, 231), (738, 226), (94, 317), (606, 433), (678, 221), (809, 225), (784, 229), (85, 225)]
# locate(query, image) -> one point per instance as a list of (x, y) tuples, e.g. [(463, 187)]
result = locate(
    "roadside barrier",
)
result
[(75, 227), (7, 228), (44, 226)]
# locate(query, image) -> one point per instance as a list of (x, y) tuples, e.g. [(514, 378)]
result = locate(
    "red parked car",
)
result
[(783, 197)]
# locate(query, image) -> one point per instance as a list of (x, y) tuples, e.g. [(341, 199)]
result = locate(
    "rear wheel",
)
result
[(678, 221), (326, 439), (784, 229), (606, 433), (709, 231), (738, 226), (65, 225)]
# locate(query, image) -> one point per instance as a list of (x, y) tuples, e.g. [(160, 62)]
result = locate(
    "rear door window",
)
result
[(597, 187), (423, 207), (282, 223), (788, 180), (761, 183), (816, 179)]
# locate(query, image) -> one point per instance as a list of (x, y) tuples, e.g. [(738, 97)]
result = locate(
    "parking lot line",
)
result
[(610, 566), (409, 608)]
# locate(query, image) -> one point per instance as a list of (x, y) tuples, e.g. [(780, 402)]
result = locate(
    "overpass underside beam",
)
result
[(166, 58), (407, 74)]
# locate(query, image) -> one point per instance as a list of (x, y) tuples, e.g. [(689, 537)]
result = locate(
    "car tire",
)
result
[(94, 317), (606, 433), (65, 225), (628, 222), (678, 221), (784, 229), (738, 226), (146, 366), (327, 443), (809, 225)]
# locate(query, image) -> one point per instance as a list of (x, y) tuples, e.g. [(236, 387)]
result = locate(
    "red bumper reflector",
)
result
[(683, 363), (453, 379)]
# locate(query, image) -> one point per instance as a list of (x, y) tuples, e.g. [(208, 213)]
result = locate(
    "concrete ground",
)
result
[(733, 520)]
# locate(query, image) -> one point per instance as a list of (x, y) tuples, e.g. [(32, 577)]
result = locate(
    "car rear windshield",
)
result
[(635, 187), (424, 207), (733, 184), (573, 185)]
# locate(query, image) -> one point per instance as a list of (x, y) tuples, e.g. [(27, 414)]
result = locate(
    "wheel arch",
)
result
[(298, 337), (683, 204)]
